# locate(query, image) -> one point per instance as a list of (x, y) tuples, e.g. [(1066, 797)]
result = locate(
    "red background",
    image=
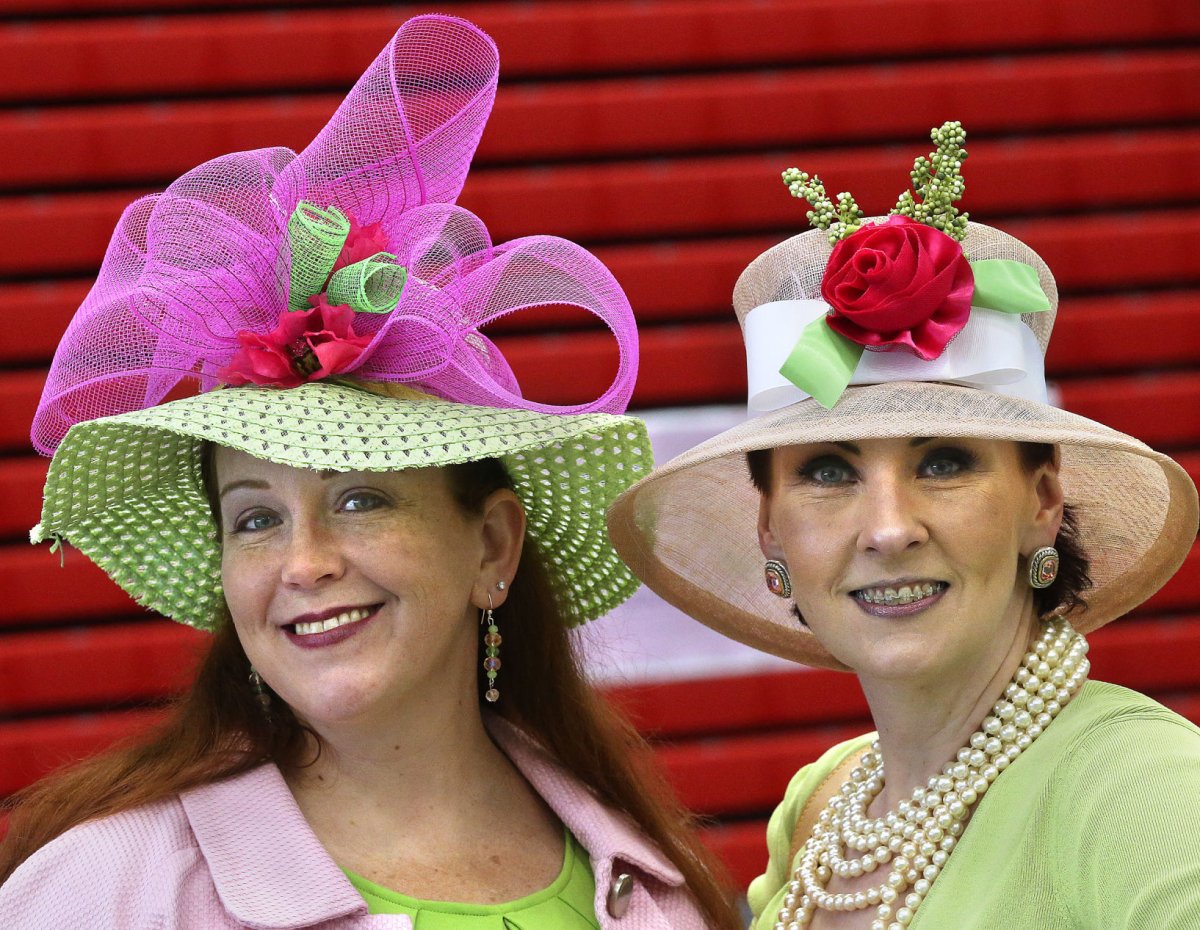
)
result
[(654, 132)]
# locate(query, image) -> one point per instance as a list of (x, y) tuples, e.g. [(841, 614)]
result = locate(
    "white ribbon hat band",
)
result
[(994, 352)]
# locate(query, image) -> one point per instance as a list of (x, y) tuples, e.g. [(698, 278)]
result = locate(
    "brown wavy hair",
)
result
[(217, 730)]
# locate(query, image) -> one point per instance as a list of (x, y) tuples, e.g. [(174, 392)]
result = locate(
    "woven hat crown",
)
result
[(795, 268)]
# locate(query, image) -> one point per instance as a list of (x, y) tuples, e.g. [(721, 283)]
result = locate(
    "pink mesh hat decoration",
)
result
[(920, 323), (328, 304)]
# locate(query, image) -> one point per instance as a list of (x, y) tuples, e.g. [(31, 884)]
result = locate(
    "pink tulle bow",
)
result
[(195, 281)]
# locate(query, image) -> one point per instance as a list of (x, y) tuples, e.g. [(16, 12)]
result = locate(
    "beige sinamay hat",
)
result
[(688, 530)]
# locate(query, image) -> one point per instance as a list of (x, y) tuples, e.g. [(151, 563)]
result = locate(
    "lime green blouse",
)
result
[(1094, 827), (567, 903)]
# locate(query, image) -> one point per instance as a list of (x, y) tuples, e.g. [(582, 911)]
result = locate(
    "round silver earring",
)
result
[(1043, 567), (501, 585), (779, 582)]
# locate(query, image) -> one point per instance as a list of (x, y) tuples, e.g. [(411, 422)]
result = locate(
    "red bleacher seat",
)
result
[(654, 132)]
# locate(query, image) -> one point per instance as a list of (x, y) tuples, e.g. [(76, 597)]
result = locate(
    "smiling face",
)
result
[(357, 593), (906, 555)]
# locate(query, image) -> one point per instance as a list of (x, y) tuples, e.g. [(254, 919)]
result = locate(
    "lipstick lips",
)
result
[(330, 637)]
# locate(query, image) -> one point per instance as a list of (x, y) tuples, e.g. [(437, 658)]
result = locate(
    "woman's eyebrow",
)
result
[(920, 440), (849, 447), (244, 483)]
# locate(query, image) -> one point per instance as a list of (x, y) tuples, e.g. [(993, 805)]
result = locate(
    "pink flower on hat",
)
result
[(306, 345), (363, 241), (898, 285)]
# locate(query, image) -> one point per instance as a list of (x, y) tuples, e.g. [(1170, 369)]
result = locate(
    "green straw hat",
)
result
[(127, 490), (331, 305)]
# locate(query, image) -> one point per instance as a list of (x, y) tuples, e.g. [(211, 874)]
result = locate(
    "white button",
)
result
[(619, 894)]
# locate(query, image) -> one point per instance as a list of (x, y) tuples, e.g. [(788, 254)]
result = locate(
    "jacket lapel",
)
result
[(269, 869)]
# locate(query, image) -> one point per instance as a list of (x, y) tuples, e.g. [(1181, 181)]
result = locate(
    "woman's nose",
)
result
[(312, 556), (890, 518)]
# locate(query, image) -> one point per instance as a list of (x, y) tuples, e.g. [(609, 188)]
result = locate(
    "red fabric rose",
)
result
[(362, 241), (899, 285), (306, 345)]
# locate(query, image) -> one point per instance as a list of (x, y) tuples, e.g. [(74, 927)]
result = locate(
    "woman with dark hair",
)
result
[(387, 541), (918, 514)]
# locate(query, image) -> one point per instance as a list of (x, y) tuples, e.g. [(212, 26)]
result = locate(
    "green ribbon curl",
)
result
[(372, 285), (317, 237)]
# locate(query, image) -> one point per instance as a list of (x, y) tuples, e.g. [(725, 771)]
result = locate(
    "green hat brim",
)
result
[(127, 490)]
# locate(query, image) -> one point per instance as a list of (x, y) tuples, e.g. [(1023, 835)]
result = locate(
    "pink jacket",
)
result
[(239, 853)]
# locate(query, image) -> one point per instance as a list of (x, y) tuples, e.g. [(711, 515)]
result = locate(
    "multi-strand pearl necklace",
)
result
[(918, 836)]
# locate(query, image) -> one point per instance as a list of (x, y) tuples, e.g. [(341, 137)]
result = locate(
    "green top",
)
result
[(1095, 827), (568, 903)]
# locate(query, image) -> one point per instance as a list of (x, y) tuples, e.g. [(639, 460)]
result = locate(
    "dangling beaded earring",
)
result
[(260, 691), (1043, 567), (779, 582), (491, 648)]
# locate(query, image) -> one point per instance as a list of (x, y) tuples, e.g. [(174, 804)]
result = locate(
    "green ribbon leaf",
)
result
[(372, 285), (1007, 286), (822, 363), (317, 237)]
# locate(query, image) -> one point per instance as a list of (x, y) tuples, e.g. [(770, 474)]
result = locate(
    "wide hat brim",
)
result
[(689, 529), (127, 490)]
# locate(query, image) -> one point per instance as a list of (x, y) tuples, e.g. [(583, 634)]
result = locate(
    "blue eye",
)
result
[(361, 501), (947, 463), (255, 522), (828, 470)]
